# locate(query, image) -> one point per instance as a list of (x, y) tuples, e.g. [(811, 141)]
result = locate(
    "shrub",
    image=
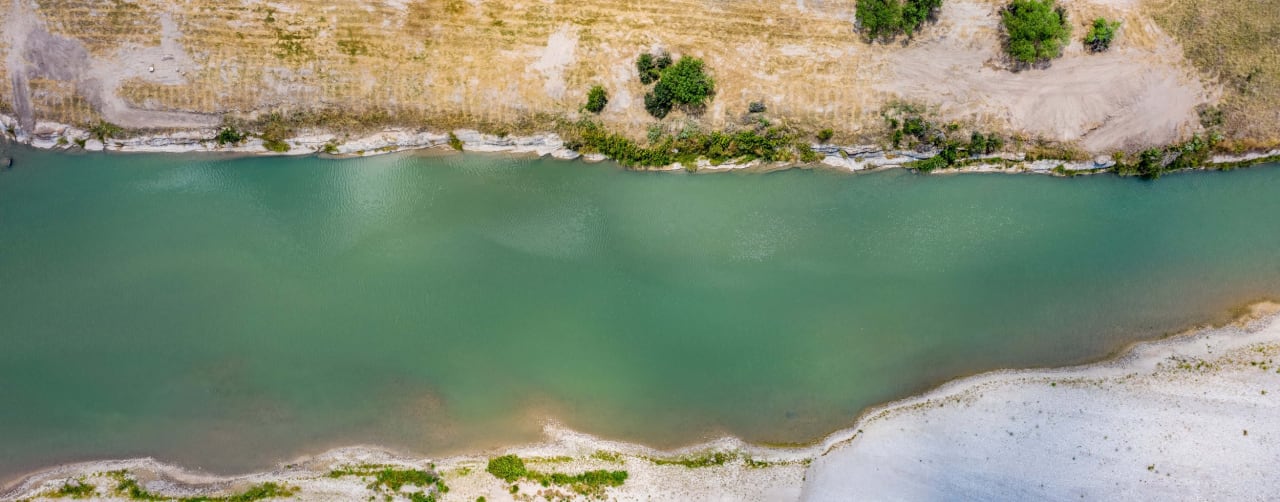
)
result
[(686, 82), (508, 468), (977, 144), (879, 19), (915, 126), (756, 107), (929, 164), (650, 66), (885, 19), (683, 83), (275, 129), (1101, 34), (596, 99), (994, 144), (454, 142), (229, 135), (1036, 30), (103, 130), (915, 12), (275, 145), (825, 135), (656, 106), (76, 490)]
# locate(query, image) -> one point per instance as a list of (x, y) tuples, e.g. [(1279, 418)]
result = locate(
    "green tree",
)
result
[(596, 99), (1101, 34), (687, 82), (916, 12), (657, 104), (683, 83), (1037, 30), (651, 66), (879, 19), (977, 144)]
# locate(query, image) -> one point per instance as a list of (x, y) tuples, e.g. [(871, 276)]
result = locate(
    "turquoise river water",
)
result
[(227, 314)]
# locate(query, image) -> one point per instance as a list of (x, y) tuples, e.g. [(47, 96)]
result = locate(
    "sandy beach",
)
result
[(1188, 417)]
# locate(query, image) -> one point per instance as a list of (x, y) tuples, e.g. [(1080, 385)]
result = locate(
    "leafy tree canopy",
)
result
[(683, 83), (885, 19), (1037, 30)]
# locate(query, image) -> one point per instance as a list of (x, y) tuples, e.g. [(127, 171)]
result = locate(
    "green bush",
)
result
[(916, 12), (977, 144), (76, 490), (275, 145), (916, 126), (683, 83), (929, 164), (886, 19), (596, 99), (276, 128), (879, 19), (454, 142), (994, 144), (508, 468), (825, 135), (650, 66), (229, 135), (657, 106), (1101, 34), (103, 130), (686, 82), (1036, 30)]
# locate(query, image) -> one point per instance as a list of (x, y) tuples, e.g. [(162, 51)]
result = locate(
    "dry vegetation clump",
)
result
[(1236, 43)]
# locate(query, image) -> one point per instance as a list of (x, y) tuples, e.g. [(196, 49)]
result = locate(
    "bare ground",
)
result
[(1134, 95)]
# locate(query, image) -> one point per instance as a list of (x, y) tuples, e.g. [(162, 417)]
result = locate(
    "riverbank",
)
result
[(852, 158), (1191, 416)]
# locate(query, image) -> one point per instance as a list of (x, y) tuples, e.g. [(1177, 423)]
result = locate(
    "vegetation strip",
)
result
[(389, 480), (129, 487), (511, 468)]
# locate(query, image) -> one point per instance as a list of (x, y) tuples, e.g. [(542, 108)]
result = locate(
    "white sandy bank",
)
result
[(1189, 418), (1183, 419)]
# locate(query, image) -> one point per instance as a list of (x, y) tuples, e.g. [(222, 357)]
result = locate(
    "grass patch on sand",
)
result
[(76, 489), (709, 459), (511, 468), (1234, 43), (388, 481), (761, 141), (128, 487)]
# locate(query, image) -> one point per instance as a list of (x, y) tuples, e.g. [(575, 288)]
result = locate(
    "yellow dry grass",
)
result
[(102, 25), (518, 65), (60, 101), (1237, 44), (477, 61)]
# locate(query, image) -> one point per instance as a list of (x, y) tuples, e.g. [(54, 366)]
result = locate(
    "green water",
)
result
[(230, 313)]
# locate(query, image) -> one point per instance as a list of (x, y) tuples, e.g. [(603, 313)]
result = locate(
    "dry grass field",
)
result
[(519, 65), (1236, 43)]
